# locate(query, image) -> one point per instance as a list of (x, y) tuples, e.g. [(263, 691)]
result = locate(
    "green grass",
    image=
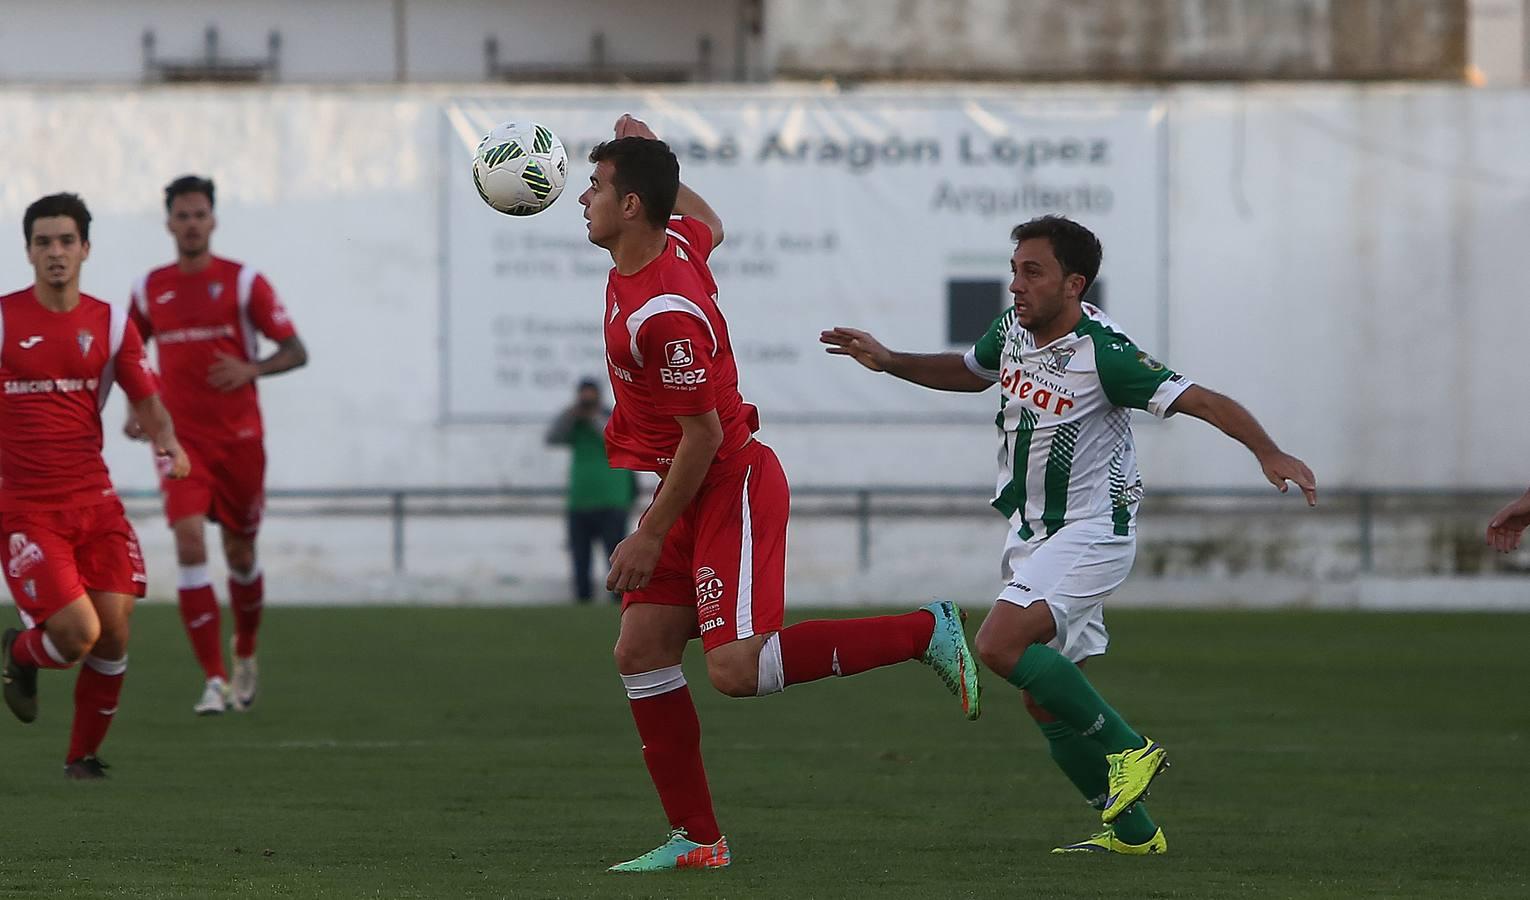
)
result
[(489, 753)]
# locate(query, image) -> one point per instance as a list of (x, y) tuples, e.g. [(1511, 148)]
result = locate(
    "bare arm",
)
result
[(633, 562), (230, 373), (154, 422), (941, 371), (687, 201), (1239, 424)]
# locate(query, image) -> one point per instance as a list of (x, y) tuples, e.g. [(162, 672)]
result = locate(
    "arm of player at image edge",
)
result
[(687, 201), (153, 421), (635, 558), (941, 371), (1508, 525), (1238, 423)]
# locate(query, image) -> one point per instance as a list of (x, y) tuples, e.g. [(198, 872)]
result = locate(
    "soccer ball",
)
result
[(520, 168)]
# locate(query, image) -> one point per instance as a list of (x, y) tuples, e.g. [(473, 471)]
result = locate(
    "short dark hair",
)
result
[(644, 167), (57, 205), (588, 383), (1076, 248), (189, 184)]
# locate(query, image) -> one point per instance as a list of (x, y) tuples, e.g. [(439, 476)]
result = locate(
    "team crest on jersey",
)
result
[(85, 339), (1152, 364), (215, 290), (678, 354), (1057, 361), (30, 586)]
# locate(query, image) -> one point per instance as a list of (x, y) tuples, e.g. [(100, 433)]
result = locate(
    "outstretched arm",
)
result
[(687, 201), (635, 558), (1505, 528), (1239, 424), (941, 371)]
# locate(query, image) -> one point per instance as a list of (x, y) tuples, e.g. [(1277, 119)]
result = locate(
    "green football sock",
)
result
[(1083, 761), (1061, 689)]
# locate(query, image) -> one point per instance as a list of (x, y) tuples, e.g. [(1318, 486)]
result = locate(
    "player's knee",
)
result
[(997, 652), (74, 638), (733, 675), (190, 549), (240, 556), (634, 656)]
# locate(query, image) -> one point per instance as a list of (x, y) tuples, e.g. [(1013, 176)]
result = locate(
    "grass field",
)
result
[(489, 753)]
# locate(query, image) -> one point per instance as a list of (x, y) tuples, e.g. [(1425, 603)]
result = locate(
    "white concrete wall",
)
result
[(1347, 261), (347, 41)]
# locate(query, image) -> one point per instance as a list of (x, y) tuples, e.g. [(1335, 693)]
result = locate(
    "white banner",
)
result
[(890, 212)]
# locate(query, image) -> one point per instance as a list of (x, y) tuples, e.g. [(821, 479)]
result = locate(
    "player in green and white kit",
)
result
[(1069, 484)]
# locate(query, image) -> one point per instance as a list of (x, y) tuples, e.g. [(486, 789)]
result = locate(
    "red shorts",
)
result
[(227, 484), (726, 555), (53, 557)]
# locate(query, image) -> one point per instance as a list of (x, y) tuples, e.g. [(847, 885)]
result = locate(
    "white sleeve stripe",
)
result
[(977, 368), (662, 304), (141, 294), (115, 333), (677, 236), (1167, 393), (246, 286)]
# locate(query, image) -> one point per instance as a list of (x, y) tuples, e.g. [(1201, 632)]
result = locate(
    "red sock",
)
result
[(247, 599), (671, 736), (95, 704), (29, 650), (199, 613), (824, 647)]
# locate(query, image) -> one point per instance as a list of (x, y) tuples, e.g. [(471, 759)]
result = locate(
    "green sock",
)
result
[(1062, 690), (1083, 761)]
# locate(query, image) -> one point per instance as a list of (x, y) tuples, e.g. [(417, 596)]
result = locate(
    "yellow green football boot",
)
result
[(1107, 842), (1131, 772)]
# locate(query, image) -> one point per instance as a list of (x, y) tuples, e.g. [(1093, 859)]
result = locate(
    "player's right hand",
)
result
[(1505, 528), (173, 461), (133, 430), (859, 346), (631, 126)]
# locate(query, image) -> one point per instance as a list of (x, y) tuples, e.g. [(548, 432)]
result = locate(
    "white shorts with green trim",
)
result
[(1074, 570)]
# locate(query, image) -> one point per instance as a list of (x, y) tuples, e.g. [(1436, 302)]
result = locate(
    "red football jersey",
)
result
[(196, 316), (669, 354), (55, 372)]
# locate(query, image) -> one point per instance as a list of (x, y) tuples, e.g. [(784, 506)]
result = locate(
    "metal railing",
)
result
[(865, 503)]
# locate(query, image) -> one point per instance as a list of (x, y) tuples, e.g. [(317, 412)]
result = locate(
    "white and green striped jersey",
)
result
[(1065, 419)]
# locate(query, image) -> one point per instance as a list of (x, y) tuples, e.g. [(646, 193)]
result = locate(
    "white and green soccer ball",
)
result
[(520, 168)]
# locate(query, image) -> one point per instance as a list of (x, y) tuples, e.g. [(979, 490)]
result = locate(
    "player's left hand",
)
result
[(1280, 468), (633, 562), (230, 373), (173, 462), (631, 126), (1505, 528)]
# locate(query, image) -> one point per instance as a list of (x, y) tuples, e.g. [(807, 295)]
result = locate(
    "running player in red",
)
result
[(207, 314), (72, 560), (708, 558)]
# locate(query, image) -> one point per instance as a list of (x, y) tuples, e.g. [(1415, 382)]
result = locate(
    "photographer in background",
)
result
[(599, 497)]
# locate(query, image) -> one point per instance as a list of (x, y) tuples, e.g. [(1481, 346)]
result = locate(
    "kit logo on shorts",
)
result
[(709, 588), (1020, 587), (24, 554), (678, 354)]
